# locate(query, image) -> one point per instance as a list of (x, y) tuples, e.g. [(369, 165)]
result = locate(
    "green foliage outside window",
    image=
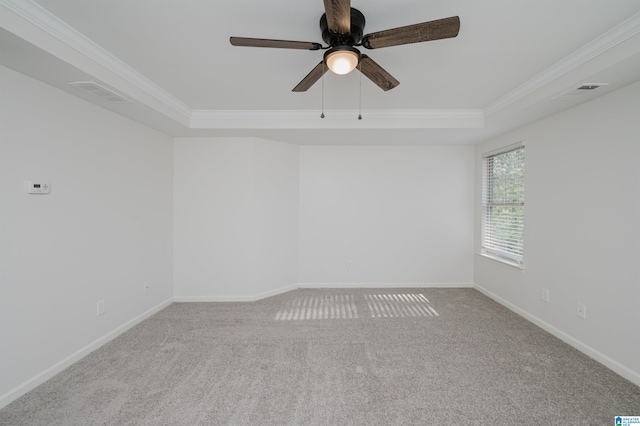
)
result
[(503, 204)]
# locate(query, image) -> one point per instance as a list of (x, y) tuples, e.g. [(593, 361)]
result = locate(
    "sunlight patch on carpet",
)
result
[(399, 306), (319, 307)]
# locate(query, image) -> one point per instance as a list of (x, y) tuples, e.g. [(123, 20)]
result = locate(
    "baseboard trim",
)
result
[(386, 285), (611, 364), (260, 296), (250, 298), (39, 379)]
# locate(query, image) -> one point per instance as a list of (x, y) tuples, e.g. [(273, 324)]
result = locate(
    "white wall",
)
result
[(239, 219), (105, 228), (401, 215), (582, 228), (236, 218), (250, 212)]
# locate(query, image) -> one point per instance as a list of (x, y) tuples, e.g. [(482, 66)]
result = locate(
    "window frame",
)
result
[(493, 250)]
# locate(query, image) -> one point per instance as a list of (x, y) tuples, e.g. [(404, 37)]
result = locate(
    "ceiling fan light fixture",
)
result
[(342, 59), (342, 28)]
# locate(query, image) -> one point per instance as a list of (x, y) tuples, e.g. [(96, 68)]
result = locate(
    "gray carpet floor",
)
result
[(333, 357)]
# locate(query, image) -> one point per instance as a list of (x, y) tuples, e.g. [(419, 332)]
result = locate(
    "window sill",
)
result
[(502, 262)]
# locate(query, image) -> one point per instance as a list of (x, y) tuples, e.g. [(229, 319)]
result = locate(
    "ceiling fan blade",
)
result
[(377, 74), (338, 15), (426, 31), (311, 78), (281, 44)]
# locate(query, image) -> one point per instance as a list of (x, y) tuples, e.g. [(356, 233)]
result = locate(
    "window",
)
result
[(503, 204)]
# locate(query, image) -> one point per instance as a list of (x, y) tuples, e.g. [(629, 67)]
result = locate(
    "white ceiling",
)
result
[(174, 60)]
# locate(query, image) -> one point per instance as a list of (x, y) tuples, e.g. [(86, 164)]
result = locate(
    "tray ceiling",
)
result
[(173, 59)]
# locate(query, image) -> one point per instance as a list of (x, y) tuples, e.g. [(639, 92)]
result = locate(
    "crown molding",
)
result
[(310, 119), (618, 34), (38, 16), (168, 105)]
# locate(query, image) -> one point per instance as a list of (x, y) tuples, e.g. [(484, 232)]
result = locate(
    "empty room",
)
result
[(319, 213)]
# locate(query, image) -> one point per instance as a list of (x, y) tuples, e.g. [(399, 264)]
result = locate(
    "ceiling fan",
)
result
[(342, 29)]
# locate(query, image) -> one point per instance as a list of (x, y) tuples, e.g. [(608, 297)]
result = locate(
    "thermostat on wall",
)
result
[(38, 187)]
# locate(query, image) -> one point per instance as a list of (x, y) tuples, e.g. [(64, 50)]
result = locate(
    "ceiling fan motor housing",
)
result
[(351, 38)]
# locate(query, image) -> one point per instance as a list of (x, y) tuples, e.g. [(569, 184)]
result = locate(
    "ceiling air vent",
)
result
[(588, 87), (583, 89), (100, 91)]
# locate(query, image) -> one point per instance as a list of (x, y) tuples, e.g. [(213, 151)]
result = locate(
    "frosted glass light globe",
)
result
[(342, 61)]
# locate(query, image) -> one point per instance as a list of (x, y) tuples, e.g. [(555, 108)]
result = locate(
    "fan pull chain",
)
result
[(360, 105), (323, 72)]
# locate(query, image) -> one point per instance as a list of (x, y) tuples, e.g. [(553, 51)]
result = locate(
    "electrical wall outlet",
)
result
[(102, 307), (349, 264), (581, 311), (545, 295), (146, 286)]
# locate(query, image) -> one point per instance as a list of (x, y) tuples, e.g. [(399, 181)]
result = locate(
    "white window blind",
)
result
[(503, 204)]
